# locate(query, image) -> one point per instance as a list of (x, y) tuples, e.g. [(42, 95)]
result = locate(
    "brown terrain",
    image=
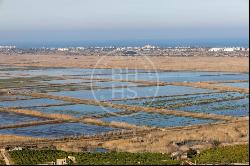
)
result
[(230, 64), (228, 130)]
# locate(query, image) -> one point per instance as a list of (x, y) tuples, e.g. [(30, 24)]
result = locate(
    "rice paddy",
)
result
[(111, 98)]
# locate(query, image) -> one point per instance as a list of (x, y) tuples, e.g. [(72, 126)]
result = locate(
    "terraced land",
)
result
[(121, 110)]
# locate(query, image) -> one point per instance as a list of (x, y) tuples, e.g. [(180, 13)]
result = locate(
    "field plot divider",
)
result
[(67, 118), (33, 123), (133, 108)]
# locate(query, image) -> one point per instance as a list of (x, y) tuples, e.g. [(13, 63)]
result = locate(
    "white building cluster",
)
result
[(7, 47), (63, 49), (148, 47), (228, 49)]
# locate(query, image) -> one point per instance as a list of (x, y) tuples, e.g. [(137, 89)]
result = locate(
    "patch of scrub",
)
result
[(58, 130), (130, 92), (76, 110), (10, 118), (157, 120), (29, 103), (17, 97), (231, 108)]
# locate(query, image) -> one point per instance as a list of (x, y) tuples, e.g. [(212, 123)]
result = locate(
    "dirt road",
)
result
[(6, 159)]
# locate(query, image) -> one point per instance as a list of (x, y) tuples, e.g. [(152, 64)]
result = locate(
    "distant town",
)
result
[(148, 50)]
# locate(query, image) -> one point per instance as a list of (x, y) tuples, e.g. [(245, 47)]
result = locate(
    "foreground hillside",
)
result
[(216, 155)]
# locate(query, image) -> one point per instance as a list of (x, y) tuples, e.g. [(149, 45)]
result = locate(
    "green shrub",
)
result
[(223, 155), (28, 157)]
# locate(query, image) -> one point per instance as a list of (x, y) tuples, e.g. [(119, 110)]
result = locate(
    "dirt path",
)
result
[(6, 159)]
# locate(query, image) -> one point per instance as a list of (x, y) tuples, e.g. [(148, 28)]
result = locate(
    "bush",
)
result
[(223, 155), (191, 153), (215, 143)]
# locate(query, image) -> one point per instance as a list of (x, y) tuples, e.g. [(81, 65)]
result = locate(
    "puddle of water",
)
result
[(10, 118), (96, 150), (131, 92), (58, 130), (157, 120)]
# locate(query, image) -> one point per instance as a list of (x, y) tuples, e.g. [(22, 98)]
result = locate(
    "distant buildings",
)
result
[(148, 47), (147, 50), (63, 49), (7, 47), (228, 49)]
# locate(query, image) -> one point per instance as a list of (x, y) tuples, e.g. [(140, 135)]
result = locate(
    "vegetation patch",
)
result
[(2, 162), (29, 157), (223, 155)]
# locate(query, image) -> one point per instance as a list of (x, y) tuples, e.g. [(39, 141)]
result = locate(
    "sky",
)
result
[(82, 20)]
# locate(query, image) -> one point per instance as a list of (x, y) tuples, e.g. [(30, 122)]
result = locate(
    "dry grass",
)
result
[(38, 114), (211, 86), (163, 141), (231, 64), (33, 123), (123, 125), (15, 138)]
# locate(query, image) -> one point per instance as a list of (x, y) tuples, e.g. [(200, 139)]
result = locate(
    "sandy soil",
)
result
[(230, 64)]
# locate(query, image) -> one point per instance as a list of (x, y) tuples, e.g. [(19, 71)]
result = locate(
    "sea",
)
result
[(132, 43)]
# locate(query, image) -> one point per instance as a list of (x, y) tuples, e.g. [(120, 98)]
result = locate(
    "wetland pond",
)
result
[(77, 83)]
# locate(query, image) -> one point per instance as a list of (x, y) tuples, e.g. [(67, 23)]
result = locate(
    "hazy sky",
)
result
[(58, 20)]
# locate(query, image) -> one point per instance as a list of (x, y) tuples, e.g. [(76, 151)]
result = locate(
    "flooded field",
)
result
[(232, 108), (58, 130), (29, 103), (157, 120), (229, 103), (10, 118), (76, 110), (237, 84), (119, 98), (131, 92)]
